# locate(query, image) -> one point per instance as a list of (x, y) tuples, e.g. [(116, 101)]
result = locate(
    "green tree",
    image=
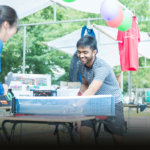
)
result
[(40, 59)]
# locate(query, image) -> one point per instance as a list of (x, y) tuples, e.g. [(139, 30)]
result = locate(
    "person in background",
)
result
[(8, 27), (118, 77)]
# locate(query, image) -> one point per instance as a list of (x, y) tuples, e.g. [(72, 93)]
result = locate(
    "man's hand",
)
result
[(5, 89), (67, 110)]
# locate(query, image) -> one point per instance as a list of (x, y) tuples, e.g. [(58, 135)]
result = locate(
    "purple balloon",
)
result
[(109, 9)]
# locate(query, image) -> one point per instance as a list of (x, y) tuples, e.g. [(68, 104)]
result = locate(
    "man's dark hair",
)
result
[(87, 40), (8, 14)]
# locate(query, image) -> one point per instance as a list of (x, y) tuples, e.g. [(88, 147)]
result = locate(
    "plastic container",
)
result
[(31, 92), (92, 105), (67, 92), (148, 96), (54, 93)]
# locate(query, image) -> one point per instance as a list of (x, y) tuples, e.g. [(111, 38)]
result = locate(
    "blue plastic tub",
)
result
[(91, 105)]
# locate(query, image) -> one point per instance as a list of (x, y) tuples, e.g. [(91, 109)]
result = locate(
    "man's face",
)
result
[(85, 54)]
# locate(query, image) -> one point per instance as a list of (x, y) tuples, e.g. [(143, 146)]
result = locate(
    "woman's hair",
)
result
[(117, 77), (8, 14)]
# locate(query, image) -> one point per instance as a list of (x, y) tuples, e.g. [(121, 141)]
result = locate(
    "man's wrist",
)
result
[(81, 92)]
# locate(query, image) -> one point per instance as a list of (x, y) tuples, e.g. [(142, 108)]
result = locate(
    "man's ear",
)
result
[(95, 52)]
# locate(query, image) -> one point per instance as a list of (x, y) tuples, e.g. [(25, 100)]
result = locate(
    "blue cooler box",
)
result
[(79, 105)]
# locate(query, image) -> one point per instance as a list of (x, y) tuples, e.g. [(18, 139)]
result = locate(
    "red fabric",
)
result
[(101, 117), (79, 93), (128, 49), (19, 115)]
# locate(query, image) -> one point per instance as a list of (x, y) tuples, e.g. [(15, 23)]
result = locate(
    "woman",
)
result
[(8, 27)]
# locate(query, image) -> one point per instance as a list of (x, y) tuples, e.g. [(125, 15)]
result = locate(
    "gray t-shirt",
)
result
[(101, 71)]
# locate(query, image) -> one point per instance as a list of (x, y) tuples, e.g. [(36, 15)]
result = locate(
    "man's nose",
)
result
[(81, 55)]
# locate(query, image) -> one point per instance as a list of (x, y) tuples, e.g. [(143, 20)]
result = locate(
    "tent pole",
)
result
[(24, 49), (98, 37), (121, 81), (145, 61), (55, 12), (130, 84), (57, 22)]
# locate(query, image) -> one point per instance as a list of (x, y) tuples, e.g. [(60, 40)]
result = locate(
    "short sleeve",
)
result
[(101, 73)]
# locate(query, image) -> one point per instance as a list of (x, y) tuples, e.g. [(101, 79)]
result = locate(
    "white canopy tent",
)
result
[(26, 7), (90, 6), (107, 44)]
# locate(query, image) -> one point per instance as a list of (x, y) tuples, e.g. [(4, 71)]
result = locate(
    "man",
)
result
[(98, 79)]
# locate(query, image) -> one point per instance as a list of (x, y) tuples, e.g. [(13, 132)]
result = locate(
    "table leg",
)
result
[(70, 129), (146, 120), (12, 132), (3, 136), (94, 128), (9, 138), (21, 133), (55, 131), (58, 139), (98, 131), (128, 117), (5, 131)]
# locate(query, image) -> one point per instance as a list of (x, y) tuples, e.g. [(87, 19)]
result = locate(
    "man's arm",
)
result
[(84, 85), (3, 89), (88, 90), (93, 88)]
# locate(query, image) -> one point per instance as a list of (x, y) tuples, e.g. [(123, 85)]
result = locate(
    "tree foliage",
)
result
[(40, 59)]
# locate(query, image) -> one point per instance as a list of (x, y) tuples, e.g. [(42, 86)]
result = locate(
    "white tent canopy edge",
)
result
[(107, 44)]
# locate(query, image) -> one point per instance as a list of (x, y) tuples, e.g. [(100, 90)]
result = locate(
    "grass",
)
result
[(27, 127), (133, 113), (34, 128)]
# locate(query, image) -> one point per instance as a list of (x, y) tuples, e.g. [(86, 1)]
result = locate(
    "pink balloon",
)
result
[(15, 86), (118, 20)]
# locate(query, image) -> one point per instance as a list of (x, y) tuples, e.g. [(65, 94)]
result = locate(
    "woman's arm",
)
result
[(3, 89)]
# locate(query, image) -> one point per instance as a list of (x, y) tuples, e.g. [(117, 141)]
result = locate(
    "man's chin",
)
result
[(83, 62)]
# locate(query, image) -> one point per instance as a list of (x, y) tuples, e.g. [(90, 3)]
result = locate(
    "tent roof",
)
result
[(26, 7), (107, 47), (91, 6)]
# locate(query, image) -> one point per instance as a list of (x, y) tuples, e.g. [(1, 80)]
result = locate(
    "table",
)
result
[(135, 106), (4, 109), (52, 120)]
